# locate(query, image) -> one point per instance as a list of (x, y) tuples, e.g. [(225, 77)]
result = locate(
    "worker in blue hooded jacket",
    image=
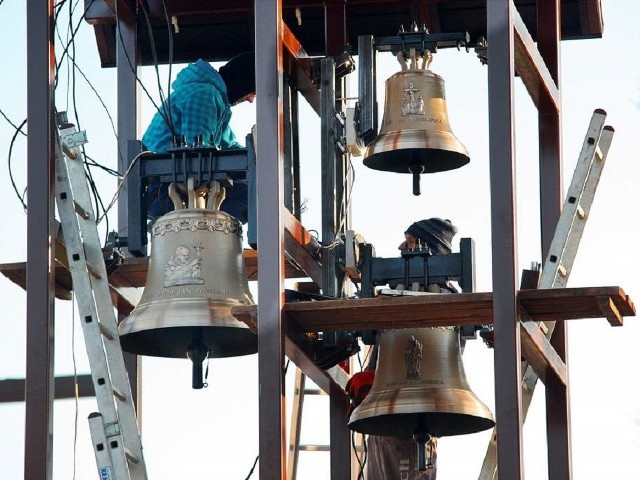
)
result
[(200, 104)]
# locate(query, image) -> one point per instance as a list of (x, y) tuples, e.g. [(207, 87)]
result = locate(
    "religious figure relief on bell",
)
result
[(182, 271), (412, 104), (413, 358)]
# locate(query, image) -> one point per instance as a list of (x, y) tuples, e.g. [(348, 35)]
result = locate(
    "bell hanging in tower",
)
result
[(420, 389), (196, 274), (415, 136)]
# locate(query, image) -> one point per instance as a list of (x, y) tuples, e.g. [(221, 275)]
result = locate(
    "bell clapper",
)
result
[(425, 444), (416, 170), (197, 352)]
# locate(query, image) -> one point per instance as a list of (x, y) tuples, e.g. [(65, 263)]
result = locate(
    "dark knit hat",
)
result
[(239, 75), (434, 233)]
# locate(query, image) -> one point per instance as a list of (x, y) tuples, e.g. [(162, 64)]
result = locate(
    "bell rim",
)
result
[(173, 342), (405, 424), (382, 411)]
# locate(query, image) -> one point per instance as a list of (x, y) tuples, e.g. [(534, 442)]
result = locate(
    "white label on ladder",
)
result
[(105, 473)]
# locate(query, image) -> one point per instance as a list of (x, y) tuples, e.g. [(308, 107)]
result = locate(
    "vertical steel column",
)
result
[(549, 124), (291, 151), (270, 197), (329, 161), (503, 232), (551, 200), (39, 382), (332, 192), (368, 125), (126, 58)]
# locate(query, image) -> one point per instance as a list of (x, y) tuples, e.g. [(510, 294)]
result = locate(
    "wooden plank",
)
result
[(385, 312), (610, 311), (299, 349), (539, 352), (532, 69), (573, 303)]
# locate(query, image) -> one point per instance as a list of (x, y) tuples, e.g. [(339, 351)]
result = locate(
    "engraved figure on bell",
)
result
[(180, 271), (412, 104), (413, 358)]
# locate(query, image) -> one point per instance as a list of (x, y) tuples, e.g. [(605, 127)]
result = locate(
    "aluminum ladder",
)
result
[(564, 246), (114, 429), (299, 392)]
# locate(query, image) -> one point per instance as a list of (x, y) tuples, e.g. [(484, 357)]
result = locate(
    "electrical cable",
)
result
[(13, 183), (133, 70), (76, 394), (115, 196), (252, 468), (165, 102), (11, 123), (75, 31)]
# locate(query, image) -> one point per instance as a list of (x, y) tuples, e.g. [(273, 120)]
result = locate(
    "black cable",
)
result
[(361, 462), (108, 170), (135, 74), (10, 122), (252, 468), (13, 183), (75, 31), (165, 102), (170, 59)]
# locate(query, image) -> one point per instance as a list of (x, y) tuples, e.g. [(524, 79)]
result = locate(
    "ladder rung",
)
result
[(106, 332), (314, 448), (80, 210), (598, 154), (313, 391), (93, 272), (131, 457), (119, 395)]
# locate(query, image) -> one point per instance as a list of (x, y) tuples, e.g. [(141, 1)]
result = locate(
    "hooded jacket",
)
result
[(197, 105)]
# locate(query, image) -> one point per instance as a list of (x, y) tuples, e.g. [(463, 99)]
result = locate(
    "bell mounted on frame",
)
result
[(415, 136), (196, 275), (420, 389)]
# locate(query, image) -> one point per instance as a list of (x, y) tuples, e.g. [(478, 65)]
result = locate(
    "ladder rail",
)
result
[(563, 250), (116, 425)]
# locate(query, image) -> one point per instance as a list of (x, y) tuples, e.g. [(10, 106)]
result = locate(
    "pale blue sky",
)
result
[(212, 434)]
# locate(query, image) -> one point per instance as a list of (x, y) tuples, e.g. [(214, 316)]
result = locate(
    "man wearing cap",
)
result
[(200, 104), (393, 458)]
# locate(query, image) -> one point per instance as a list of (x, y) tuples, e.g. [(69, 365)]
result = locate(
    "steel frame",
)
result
[(507, 50)]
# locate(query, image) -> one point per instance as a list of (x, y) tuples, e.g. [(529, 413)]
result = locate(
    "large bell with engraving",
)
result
[(415, 136), (420, 388), (196, 274)]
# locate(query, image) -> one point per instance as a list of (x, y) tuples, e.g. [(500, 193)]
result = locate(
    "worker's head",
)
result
[(434, 233), (239, 75)]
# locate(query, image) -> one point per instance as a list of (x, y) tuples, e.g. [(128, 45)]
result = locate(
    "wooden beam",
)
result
[(532, 69), (537, 350), (298, 68), (12, 390), (437, 310), (610, 311)]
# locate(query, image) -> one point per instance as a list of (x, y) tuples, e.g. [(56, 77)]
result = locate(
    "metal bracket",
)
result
[(74, 139)]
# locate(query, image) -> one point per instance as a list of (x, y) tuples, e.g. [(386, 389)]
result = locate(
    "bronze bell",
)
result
[(415, 136), (196, 275), (420, 388)]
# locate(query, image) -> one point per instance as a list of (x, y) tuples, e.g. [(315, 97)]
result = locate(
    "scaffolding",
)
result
[(511, 49)]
